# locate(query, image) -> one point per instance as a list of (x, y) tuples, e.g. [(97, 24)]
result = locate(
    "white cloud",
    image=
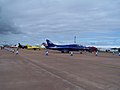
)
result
[(93, 19)]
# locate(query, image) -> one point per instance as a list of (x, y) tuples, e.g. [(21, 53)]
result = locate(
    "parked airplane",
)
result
[(108, 48), (28, 46), (14, 46), (22, 46), (65, 48), (32, 47)]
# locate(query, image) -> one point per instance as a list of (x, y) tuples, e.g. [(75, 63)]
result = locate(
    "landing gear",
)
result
[(65, 51)]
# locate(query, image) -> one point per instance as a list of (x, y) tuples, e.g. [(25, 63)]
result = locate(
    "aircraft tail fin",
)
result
[(19, 45), (49, 43)]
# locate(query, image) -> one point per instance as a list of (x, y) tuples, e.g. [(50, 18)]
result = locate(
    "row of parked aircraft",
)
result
[(63, 48), (66, 48), (77, 47)]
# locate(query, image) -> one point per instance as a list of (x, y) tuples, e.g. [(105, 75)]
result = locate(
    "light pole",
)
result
[(74, 39)]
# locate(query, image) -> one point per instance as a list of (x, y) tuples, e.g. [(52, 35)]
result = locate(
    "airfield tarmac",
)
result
[(32, 70)]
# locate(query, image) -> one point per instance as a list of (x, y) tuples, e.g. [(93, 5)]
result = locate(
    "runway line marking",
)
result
[(57, 76)]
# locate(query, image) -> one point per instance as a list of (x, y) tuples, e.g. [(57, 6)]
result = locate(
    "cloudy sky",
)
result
[(33, 21)]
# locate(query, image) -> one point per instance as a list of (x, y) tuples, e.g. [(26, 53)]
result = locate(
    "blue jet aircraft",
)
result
[(65, 48)]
